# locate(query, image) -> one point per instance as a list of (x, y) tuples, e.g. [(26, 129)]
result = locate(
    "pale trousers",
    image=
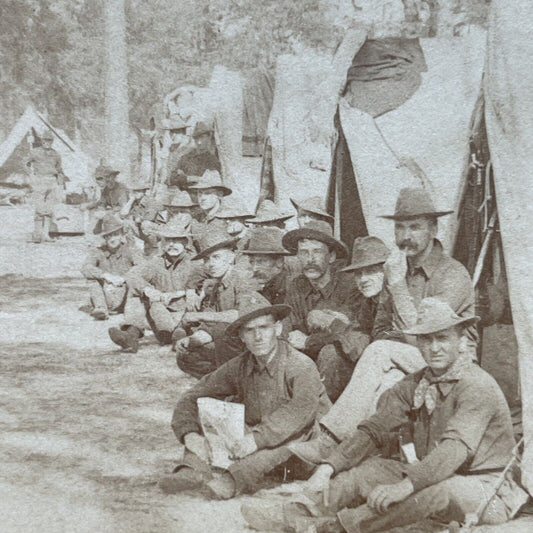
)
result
[(382, 365), (106, 296)]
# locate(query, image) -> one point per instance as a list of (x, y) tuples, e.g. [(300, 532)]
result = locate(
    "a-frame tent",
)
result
[(496, 198), (14, 150)]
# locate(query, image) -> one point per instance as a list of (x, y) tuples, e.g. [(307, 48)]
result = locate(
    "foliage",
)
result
[(52, 51)]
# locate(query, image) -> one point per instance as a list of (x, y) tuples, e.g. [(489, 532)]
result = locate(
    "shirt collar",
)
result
[(430, 263), (225, 280), (253, 365), (325, 292)]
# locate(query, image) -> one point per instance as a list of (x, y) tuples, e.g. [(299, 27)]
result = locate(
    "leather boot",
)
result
[(127, 339), (314, 451)]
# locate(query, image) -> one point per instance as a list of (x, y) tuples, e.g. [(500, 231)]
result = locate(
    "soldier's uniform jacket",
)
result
[(101, 260)]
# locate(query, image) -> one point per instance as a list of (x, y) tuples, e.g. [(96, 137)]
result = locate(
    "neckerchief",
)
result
[(426, 391)]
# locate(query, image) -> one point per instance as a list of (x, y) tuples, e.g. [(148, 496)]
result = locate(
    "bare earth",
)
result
[(85, 430)]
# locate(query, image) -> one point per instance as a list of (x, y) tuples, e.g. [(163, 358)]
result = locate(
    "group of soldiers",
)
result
[(358, 375)]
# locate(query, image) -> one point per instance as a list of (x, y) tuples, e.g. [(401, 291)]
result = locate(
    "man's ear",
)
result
[(279, 328), (332, 256), (463, 342)]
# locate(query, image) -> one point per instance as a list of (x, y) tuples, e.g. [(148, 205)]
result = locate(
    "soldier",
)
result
[(267, 259), (106, 267), (113, 194), (457, 439), (201, 158), (282, 395), (157, 292), (206, 348), (47, 182)]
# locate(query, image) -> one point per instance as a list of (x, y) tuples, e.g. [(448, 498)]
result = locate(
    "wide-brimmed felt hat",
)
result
[(214, 240), (180, 199), (253, 305), (108, 224), (265, 241), (436, 315), (268, 211), (201, 128), (210, 179), (233, 211), (414, 203), (105, 170), (175, 229), (366, 252), (318, 230), (314, 205)]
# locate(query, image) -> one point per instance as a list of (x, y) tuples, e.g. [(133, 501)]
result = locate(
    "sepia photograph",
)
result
[(266, 266)]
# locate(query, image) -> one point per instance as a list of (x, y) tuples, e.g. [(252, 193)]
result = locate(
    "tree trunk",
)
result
[(116, 90)]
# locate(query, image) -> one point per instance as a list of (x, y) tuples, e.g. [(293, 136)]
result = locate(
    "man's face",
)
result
[(265, 267), (315, 258), (47, 143), (441, 349), (173, 246), (203, 142), (304, 217), (219, 262), (369, 280), (100, 181), (414, 236), (208, 198), (113, 240), (260, 335)]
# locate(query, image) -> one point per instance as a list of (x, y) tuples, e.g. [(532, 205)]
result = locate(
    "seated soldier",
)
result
[(267, 260), (160, 212), (268, 214), (418, 268), (324, 303), (282, 396), (195, 162), (209, 191), (157, 296), (113, 194), (457, 440), (106, 267), (205, 348)]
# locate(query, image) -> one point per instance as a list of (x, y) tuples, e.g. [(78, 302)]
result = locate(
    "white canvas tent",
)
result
[(430, 129), (508, 96), (76, 164)]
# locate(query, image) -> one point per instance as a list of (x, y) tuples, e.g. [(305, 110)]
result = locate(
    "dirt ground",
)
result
[(84, 429)]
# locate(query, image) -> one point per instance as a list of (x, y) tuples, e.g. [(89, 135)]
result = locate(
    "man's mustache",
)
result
[(407, 244), (312, 266)]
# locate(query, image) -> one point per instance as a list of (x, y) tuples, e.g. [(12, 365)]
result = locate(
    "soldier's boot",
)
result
[(314, 451), (99, 313), (127, 338)]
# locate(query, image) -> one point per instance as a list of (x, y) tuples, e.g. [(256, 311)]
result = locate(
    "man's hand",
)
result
[(235, 228), (197, 444), (199, 338), (152, 294), (246, 446), (297, 339), (193, 301), (383, 496), (395, 267), (319, 482)]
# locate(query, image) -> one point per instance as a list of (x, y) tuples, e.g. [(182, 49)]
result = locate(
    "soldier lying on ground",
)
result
[(457, 440), (282, 396)]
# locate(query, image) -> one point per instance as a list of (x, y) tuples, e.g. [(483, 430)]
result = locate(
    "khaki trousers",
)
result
[(451, 499), (382, 365), (106, 296)]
